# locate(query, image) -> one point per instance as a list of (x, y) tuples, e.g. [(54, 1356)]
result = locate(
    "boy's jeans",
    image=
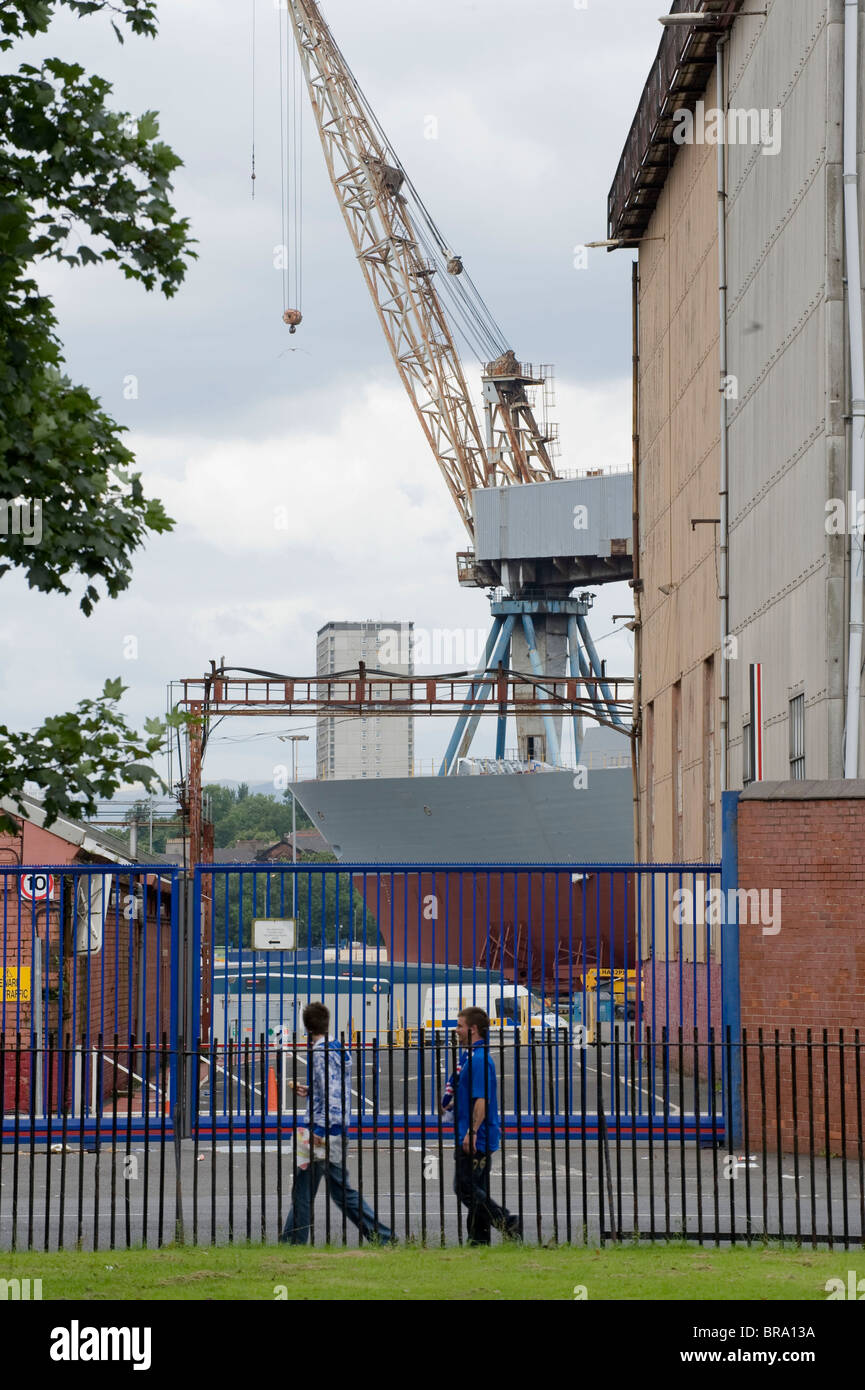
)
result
[(296, 1231)]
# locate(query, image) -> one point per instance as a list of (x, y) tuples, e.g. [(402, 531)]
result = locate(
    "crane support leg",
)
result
[(574, 656), (586, 669), (494, 652), (553, 754), (502, 721), (598, 670)]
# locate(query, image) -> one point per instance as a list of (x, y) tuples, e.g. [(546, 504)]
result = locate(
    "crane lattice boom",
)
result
[(368, 181)]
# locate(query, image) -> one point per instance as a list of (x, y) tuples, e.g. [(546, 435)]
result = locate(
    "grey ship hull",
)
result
[(542, 927), (529, 818)]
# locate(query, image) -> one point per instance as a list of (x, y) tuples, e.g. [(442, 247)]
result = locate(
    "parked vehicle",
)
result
[(509, 1007)]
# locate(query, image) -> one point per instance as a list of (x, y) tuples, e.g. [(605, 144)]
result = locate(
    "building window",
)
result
[(747, 770), (797, 738)]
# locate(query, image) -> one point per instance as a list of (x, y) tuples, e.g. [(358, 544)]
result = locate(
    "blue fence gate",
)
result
[(609, 967), (135, 996), (91, 967)]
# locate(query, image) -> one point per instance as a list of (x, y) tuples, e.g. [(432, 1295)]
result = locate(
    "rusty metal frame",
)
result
[(362, 692), (365, 691)]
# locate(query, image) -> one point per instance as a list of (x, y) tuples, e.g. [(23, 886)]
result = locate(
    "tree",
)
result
[(80, 184), (239, 816)]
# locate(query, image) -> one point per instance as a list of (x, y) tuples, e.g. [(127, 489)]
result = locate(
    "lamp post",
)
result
[(294, 740), (705, 19)]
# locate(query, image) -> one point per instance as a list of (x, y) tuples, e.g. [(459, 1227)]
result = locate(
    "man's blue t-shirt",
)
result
[(483, 1086)]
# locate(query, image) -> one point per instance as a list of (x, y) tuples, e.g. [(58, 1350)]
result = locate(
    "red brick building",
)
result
[(85, 952)]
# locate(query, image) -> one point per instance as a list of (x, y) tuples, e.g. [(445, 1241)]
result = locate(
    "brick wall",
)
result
[(808, 841)]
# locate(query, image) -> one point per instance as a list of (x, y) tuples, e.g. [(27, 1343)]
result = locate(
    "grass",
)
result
[(671, 1272)]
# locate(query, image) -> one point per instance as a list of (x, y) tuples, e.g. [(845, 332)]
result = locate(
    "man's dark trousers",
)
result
[(472, 1186)]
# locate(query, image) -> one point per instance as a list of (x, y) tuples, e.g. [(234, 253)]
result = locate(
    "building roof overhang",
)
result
[(677, 79), (89, 841)]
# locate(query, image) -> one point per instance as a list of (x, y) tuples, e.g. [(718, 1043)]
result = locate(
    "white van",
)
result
[(503, 1003)]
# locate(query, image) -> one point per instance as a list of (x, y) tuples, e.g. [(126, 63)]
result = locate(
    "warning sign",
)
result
[(16, 984)]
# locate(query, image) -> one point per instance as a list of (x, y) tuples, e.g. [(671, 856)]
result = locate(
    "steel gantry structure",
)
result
[(233, 691)]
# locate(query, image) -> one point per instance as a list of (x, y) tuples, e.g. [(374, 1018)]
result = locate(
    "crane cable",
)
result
[(297, 162), (282, 167), (291, 96), (252, 175)]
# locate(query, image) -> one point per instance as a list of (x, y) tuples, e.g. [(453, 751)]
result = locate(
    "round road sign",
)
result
[(37, 886)]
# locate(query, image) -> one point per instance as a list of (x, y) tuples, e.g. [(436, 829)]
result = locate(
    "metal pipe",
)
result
[(636, 582), (723, 529), (857, 381), (553, 755)]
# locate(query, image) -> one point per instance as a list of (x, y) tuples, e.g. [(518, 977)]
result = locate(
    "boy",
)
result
[(478, 1129), (327, 1114)]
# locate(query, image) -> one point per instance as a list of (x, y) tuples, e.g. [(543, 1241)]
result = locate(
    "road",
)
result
[(242, 1191)]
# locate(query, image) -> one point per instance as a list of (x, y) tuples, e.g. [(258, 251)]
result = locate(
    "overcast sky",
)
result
[(235, 418)]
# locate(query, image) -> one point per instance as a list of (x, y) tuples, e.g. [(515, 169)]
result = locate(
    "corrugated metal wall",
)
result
[(537, 519)]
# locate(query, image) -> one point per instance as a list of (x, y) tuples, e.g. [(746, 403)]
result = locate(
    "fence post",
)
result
[(185, 983), (731, 1001)]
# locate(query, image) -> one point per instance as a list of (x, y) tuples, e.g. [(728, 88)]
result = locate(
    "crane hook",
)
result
[(292, 317)]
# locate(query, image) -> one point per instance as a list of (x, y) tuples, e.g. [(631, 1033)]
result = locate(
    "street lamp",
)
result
[(294, 740), (705, 19), (616, 243)]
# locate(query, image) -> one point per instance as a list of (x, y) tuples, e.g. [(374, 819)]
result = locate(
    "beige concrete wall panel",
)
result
[(786, 639), (780, 538), (654, 404)]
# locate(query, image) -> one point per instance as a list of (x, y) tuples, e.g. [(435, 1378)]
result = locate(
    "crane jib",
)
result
[(420, 290)]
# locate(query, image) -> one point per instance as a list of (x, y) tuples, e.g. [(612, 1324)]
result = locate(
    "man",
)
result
[(478, 1132), (327, 1121)]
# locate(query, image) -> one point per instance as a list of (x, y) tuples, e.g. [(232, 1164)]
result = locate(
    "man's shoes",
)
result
[(513, 1229)]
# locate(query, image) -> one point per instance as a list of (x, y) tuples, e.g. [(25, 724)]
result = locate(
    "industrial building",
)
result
[(370, 746), (743, 443)]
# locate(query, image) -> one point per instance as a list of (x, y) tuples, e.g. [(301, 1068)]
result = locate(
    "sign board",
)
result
[(273, 934), (94, 893), (37, 886), (16, 984)]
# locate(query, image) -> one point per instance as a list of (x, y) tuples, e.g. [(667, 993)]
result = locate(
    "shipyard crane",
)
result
[(420, 288)]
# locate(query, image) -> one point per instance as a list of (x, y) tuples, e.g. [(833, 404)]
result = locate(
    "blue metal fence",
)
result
[(89, 960), (580, 955), (612, 967)]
